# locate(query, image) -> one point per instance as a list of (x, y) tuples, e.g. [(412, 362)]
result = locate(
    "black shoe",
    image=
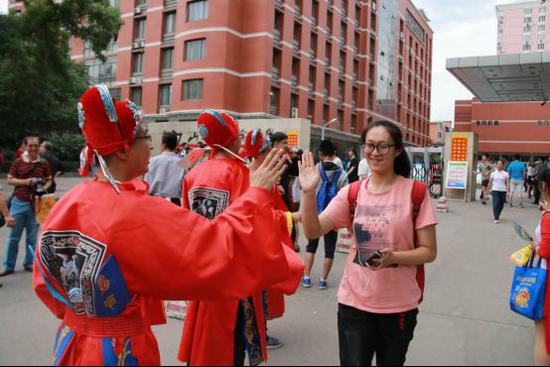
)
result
[(3, 273), (273, 343)]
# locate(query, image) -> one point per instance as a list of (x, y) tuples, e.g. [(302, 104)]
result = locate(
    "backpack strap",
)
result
[(418, 194), (353, 193)]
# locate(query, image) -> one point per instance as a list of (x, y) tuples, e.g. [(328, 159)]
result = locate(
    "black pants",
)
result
[(362, 334), (239, 349), (499, 199), (176, 201), (537, 191), (330, 245)]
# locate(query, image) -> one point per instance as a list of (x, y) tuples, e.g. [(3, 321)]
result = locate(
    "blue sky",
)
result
[(461, 28)]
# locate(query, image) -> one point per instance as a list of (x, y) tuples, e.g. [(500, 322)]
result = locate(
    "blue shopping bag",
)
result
[(529, 290)]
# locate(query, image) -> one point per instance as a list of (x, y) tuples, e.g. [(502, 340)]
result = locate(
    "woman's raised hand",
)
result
[(269, 172), (309, 174)]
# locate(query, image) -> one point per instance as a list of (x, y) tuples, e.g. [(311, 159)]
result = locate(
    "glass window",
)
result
[(194, 49), (528, 11), (140, 29), (542, 19), (542, 10), (141, 2), (542, 28), (170, 23), (192, 89), (165, 94), (167, 58), (115, 3), (116, 93), (138, 63), (135, 95), (197, 10), (99, 72)]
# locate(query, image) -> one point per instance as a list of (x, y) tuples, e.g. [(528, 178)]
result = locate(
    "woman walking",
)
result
[(500, 186), (378, 301)]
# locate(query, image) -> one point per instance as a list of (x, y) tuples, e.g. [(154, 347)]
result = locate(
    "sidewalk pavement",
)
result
[(464, 320)]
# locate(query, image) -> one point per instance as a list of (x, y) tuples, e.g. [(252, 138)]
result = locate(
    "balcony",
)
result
[(275, 75), (296, 47), (342, 41), (279, 5), (312, 55), (297, 13), (277, 38), (329, 4), (310, 89), (294, 81), (168, 4), (327, 62), (325, 94), (353, 105), (341, 69)]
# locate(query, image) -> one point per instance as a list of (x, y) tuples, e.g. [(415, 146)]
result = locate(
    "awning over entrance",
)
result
[(505, 78)]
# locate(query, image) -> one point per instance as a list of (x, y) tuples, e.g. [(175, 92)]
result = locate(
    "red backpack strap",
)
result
[(353, 193), (418, 194)]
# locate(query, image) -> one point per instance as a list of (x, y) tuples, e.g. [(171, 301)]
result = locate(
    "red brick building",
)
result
[(355, 61), (506, 128)]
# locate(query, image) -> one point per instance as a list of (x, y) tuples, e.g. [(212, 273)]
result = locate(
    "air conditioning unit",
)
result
[(294, 112), (136, 80), (164, 109), (138, 10), (138, 44)]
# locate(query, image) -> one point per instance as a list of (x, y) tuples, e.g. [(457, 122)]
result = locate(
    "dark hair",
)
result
[(48, 145), (354, 151), (402, 164), (170, 140), (277, 137), (517, 157), (327, 148)]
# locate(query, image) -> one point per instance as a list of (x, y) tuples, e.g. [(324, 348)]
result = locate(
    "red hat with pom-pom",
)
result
[(107, 126), (217, 128), (255, 144)]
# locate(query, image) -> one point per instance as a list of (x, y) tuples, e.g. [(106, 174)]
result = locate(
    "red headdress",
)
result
[(255, 144), (108, 126)]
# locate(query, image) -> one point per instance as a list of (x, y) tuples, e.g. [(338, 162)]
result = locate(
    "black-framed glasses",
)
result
[(382, 148), (148, 137)]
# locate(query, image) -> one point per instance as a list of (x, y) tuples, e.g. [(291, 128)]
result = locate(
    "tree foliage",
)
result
[(39, 83)]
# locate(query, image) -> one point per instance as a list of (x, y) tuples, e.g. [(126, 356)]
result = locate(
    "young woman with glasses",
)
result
[(378, 302)]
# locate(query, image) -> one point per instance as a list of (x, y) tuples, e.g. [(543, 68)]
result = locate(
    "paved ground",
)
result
[(464, 320)]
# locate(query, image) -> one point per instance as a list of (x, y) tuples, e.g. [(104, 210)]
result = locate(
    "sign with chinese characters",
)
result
[(459, 148), (457, 175), (292, 138), (487, 123), (543, 123)]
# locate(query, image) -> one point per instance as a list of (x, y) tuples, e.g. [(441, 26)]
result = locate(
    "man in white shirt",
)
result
[(364, 169), (165, 175)]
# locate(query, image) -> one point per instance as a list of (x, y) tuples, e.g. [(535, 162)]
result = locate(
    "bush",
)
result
[(67, 147)]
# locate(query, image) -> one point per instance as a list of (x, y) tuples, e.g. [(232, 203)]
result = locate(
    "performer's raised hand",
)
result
[(309, 174), (269, 172)]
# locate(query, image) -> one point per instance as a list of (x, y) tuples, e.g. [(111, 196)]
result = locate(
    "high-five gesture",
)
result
[(309, 174), (269, 172)]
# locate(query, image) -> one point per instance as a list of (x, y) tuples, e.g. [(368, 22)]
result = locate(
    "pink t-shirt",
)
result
[(387, 217)]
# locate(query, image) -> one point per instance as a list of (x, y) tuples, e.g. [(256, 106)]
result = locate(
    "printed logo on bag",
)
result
[(208, 202), (522, 297)]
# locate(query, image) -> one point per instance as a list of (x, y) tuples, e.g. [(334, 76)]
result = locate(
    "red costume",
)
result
[(208, 189), (104, 260)]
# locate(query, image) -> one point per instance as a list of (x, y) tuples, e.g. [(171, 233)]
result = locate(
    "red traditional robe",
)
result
[(104, 261), (208, 189)]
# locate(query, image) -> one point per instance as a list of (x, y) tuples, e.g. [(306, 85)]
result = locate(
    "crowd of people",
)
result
[(509, 182), (217, 226)]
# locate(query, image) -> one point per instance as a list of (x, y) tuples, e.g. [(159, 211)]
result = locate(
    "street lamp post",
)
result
[(324, 127)]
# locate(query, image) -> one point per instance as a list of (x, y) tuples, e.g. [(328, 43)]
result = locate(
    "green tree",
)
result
[(39, 83)]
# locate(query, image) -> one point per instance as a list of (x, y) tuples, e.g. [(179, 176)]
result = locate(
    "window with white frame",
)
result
[(197, 10), (192, 89), (195, 49)]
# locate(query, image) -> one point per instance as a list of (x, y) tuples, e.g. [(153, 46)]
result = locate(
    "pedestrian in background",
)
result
[(364, 169), (378, 306), (279, 140), (499, 184), (31, 176), (518, 174), (165, 176), (10, 221), (333, 178), (56, 166), (531, 173), (485, 169), (353, 166)]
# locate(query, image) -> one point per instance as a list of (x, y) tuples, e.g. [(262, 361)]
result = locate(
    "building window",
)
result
[(115, 3), (197, 10), (542, 10), (542, 27), (194, 49), (526, 28), (99, 72), (167, 58), (542, 19), (527, 20), (274, 102), (526, 47), (140, 30), (137, 63), (165, 94), (135, 95), (170, 23), (528, 11), (541, 46), (192, 89)]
